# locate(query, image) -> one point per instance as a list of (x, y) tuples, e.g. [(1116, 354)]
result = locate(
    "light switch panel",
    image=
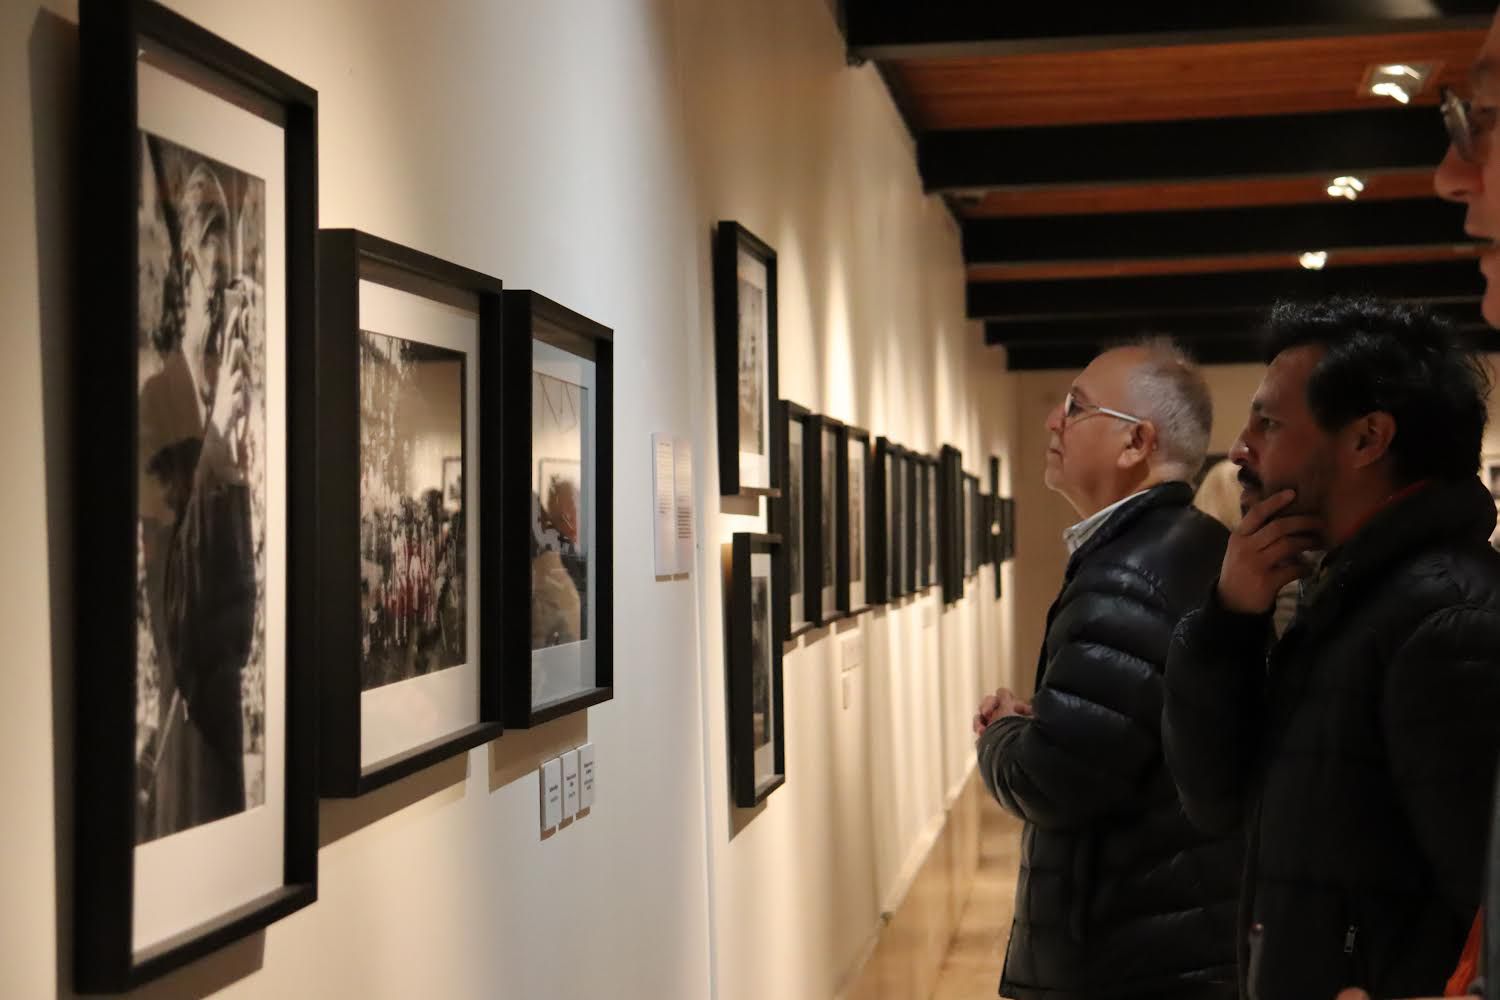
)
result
[(552, 796), (586, 776), (569, 784)]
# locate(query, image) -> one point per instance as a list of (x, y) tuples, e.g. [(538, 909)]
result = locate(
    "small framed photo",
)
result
[(744, 277), (824, 520), (975, 533), (558, 548), (952, 527), (853, 501), (196, 808), (911, 547), (788, 514), (883, 502), (1492, 475), (408, 364), (757, 754), (930, 536)]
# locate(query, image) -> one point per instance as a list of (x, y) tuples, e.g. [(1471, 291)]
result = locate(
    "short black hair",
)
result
[(1397, 359)]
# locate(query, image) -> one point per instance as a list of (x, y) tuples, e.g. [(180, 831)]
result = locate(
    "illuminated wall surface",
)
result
[(582, 149)]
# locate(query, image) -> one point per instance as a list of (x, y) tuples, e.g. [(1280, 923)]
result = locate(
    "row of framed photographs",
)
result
[(347, 508), (851, 529)]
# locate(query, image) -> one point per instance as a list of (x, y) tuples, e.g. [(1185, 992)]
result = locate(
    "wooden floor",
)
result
[(972, 969)]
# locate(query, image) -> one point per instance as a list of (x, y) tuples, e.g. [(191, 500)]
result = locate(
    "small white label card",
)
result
[(664, 504), (569, 784), (551, 786), (586, 776)]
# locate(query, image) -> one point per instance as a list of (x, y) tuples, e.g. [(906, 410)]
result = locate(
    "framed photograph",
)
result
[(824, 521), (853, 501), (911, 494), (196, 808), (744, 270), (408, 365), (757, 754), (899, 502), (788, 514), (929, 521), (951, 523), (973, 525), (877, 546), (558, 412)]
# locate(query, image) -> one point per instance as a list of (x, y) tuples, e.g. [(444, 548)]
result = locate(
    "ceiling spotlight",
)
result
[(1398, 81), (1314, 260), (1345, 187)]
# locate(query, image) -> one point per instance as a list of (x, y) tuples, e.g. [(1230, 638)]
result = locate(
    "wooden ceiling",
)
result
[(1118, 168)]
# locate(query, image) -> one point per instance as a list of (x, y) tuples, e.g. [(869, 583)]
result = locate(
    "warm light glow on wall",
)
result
[(1314, 260)]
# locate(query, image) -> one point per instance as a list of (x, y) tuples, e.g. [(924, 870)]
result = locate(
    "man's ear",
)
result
[(1370, 437), (1139, 445)]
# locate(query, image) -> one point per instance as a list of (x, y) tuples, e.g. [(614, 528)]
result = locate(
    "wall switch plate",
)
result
[(569, 784), (551, 786), (852, 650), (586, 776)]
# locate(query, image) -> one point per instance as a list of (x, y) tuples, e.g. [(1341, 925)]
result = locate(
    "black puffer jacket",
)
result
[(1119, 896), (1359, 754)]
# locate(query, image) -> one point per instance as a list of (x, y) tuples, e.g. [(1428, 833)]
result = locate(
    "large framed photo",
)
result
[(896, 510), (789, 514), (744, 273), (824, 521), (951, 524), (196, 686), (853, 501), (882, 523), (930, 537), (911, 546), (558, 550), (972, 525), (757, 754), (409, 365)]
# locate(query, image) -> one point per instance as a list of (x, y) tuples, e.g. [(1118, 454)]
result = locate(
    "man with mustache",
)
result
[(1118, 895), (1357, 751)]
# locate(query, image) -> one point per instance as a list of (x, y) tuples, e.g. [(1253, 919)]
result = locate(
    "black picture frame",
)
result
[(532, 318), (896, 544), (950, 523), (821, 552), (791, 531), (997, 527), (931, 564), (878, 546), (345, 256), (910, 463), (729, 239), (974, 546), (850, 438), (747, 792), (113, 36)]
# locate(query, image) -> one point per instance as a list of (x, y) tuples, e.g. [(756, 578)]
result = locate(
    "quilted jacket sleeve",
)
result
[(1097, 712), (1441, 719), (1214, 707)]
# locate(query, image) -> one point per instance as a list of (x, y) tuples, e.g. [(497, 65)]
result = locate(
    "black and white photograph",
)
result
[(412, 549), (201, 566), (453, 482), (930, 523), (754, 662), (828, 515), (744, 274), (559, 529), (194, 821), (794, 530), (853, 483), (788, 514), (923, 540)]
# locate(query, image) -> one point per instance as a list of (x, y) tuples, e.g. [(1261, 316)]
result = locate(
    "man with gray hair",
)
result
[(1118, 895)]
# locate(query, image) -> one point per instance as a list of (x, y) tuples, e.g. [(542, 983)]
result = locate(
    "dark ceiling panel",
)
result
[(1172, 82), (1214, 232), (1331, 143), (890, 29), (1166, 197), (1457, 280)]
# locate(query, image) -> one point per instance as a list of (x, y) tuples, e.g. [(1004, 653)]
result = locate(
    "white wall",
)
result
[(583, 148)]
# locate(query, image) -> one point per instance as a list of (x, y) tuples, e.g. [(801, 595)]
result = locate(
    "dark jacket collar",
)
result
[(1174, 494)]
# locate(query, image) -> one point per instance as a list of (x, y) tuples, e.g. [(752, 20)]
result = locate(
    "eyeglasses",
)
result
[(1075, 409), (1466, 125)]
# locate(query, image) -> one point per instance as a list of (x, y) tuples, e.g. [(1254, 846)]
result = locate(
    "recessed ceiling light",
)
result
[(1398, 81), (1345, 187), (1314, 260)]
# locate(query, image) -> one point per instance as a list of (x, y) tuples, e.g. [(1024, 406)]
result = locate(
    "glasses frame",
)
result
[(1071, 400), (1458, 119)]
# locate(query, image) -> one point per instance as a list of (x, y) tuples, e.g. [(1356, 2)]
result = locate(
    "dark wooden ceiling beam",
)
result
[(1331, 143), (896, 29), (1214, 232), (1229, 324), (1424, 282)]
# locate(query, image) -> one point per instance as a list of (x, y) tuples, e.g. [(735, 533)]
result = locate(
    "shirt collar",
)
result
[(1076, 536)]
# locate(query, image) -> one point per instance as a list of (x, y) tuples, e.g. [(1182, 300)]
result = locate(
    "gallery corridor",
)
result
[(972, 968)]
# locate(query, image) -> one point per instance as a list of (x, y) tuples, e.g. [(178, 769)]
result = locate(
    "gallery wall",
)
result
[(582, 149)]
